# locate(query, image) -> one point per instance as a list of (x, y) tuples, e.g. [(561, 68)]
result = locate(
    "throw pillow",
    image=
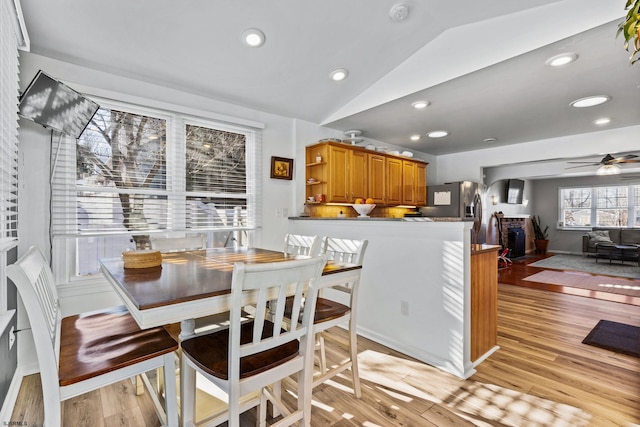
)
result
[(601, 236)]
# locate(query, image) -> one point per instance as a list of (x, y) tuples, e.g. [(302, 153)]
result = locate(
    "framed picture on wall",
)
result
[(281, 168)]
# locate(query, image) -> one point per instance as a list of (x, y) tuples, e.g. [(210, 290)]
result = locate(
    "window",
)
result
[(576, 207), (611, 206), (133, 173)]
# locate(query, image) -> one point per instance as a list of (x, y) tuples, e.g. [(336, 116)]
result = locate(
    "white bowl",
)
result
[(363, 210)]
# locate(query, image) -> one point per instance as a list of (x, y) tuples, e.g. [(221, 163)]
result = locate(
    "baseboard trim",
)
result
[(462, 372)]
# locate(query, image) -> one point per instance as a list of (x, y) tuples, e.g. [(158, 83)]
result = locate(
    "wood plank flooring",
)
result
[(520, 269), (541, 376)]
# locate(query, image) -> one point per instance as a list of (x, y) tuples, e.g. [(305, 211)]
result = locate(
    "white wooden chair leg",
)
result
[(170, 391), (323, 355), (353, 350), (261, 419), (277, 392), (187, 393)]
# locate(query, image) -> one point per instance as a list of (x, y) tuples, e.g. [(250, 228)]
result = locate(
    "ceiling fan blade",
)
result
[(585, 163), (628, 161), (582, 166)]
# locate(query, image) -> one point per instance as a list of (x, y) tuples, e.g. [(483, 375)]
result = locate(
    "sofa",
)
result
[(611, 235)]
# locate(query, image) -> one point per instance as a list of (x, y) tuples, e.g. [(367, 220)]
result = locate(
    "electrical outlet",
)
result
[(285, 212), (278, 212), (12, 338), (404, 308)]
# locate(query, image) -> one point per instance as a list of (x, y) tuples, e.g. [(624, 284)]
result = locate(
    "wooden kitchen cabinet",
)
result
[(421, 184), (358, 175), (394, 181), (338, 182), (348, 172), (484, 300), (377, 177)]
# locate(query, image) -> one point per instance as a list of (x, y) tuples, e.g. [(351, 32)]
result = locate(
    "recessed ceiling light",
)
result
[(339, 74), (415, 137), (602, 121), (419, 105), (490, 140), (562, 59), (438, 134), (253, 37), (590, 101)]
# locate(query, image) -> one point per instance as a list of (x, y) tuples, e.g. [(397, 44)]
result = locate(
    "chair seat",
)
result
[(99, 342), (326, 310), (210, 352)]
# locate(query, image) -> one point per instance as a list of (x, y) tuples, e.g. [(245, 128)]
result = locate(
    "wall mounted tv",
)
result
[(514, 191), (55, 105)]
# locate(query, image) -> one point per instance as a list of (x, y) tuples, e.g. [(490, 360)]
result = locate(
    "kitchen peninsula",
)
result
[(416, 293)]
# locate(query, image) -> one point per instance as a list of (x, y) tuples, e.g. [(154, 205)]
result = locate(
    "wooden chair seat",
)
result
[(210, 352), (326, 310), (95, 343)]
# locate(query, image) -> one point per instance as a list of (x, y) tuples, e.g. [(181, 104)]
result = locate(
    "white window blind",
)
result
[(9, 42), (133, 173)]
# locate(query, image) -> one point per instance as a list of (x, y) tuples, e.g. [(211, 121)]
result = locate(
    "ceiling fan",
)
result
[(609, 160)]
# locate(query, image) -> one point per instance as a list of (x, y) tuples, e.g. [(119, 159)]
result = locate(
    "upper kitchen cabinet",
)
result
[(344, 173)]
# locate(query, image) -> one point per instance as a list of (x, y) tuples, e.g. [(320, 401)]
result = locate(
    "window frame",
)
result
[(64, 247), (631, 207)]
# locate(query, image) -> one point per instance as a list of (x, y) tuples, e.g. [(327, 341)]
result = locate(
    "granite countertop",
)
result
[(408, 219)]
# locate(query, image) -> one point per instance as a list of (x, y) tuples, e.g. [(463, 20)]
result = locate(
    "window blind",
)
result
[(132, 173), (9, 42)]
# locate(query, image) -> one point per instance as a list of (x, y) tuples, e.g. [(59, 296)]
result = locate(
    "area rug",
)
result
[(614, 336), (576, 279), (588, 264)]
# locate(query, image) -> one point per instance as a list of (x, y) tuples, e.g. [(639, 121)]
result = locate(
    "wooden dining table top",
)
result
[(192, 275)]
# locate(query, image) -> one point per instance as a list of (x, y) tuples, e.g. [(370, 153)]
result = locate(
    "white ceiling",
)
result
[(480, 64)]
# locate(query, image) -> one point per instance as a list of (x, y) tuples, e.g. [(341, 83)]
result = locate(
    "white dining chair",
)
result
[(338, 308), (251, 355), (330, 312), (298, 244), (85, 352)]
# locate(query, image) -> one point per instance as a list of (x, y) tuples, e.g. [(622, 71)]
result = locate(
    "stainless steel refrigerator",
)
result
[(461, 199)]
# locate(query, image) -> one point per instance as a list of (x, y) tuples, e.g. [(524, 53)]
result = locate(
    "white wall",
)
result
[(468, 165)]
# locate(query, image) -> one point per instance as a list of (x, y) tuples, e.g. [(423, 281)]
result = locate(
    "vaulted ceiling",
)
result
[(481, 64)]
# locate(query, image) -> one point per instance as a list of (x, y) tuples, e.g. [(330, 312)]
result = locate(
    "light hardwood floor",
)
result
[(541, 376)]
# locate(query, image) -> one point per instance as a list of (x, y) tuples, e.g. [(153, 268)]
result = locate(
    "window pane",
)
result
[(576, 217), (612, 197), (216, 161), (576, 207), (611, 217), (576, 198), (207, 212), (122, 152)]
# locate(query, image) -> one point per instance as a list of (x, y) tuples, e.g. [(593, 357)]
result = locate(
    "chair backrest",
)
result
[(178, 244), (297, 244), (273, 282), (34, 280), (344, 250)]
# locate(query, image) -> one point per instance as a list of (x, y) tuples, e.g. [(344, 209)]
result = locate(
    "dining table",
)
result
[(193, 284)]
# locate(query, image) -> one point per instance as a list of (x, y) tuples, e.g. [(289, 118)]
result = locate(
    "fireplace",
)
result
[(516, 242)]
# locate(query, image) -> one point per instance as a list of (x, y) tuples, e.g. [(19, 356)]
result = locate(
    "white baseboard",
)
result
[(462, 372)]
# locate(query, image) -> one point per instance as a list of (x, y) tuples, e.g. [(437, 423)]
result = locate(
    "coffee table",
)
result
[(613, 251)]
